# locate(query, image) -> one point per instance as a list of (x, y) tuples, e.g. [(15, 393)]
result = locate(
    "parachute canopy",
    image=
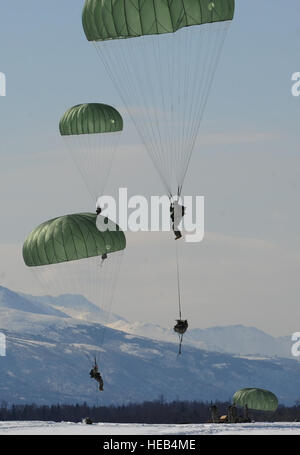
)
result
[(114, 19), (70, 238), (90, 118), (259, 399)]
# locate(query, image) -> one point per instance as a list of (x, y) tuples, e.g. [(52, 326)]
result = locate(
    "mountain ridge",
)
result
[(49, 357)]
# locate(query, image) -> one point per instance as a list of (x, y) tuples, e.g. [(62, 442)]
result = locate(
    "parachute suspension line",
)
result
[(137, 85), (210, 46), (110, 298), (85, 277), (93, 156), (126, 95), (164, 82), (180, 345), (178, 281)]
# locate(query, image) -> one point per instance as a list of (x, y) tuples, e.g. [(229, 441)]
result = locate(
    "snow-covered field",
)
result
[(67, 428)]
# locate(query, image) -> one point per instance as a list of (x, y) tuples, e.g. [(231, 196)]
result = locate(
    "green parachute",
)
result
[(91, 133), (70, 238), (90, 119), (78, 254), (72, 255), (113, 19), (162, 56), (258, 399)]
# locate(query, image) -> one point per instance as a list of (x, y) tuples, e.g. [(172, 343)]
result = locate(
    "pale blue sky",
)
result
[(246, 164)]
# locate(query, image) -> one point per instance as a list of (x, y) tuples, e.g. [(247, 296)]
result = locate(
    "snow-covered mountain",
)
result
[(236, 339), (49, 357), (76, 306), (12, 300), (242, 340)]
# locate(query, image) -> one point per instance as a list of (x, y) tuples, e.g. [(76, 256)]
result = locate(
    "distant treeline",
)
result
[(154, 412)]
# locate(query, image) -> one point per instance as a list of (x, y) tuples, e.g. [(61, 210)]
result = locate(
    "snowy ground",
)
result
[(66, 428)]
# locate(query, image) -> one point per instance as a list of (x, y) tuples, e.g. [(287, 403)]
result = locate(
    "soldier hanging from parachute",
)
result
[(177, 213), (95, 374), (74, 242)]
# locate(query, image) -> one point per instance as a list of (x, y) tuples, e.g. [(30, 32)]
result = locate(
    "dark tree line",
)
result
[(154, 412)]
